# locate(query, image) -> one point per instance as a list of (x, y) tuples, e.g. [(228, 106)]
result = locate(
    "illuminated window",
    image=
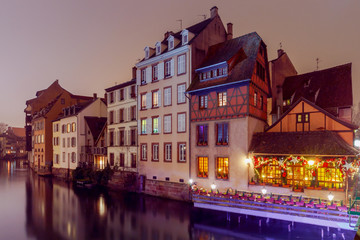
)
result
[(143, 126), (203, 167), (73, 127), (221, 99), (155, 99), (143, 101), (302, 118), (222, 168), (143, 152), (155, 125), (330, 177), (155, 73), (271, 173), (68, 128)]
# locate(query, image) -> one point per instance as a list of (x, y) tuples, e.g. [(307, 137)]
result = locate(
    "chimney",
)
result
[(94, 95), (280, 52), (229, 35), (167, 34), (133, 72), (213, 12)]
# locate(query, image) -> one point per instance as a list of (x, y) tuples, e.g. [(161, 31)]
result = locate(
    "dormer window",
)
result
[(158, 48), (213, 72), (170, 43), (185, 37), (147, 52)]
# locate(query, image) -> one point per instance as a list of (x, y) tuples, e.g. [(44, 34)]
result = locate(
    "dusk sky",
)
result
[(90, 45)]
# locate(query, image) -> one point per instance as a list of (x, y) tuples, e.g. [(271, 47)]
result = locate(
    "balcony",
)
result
[(94, 150)]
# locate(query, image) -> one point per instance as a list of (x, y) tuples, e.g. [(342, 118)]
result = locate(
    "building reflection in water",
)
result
[(56, 210)]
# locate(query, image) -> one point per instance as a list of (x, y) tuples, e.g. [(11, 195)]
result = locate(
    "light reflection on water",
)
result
[(34, 207)]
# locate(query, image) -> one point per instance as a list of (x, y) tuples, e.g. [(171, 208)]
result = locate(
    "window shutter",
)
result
[(125, 93), (161, 71), (159, 124), (139, 126), (148, 125), (126, 114), (148, 75), (148, 100), (172, 65), (128, 137), (159, 98)]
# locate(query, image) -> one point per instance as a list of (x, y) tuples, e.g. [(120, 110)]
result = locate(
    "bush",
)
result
[(100, 177)]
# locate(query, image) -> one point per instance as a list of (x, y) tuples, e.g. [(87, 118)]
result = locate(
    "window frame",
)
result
[(155, 98), (178, 152), (165, 88), (154, 153), (205, 174), (167, 68), (184, 64), (155, 73), (166, 153), (143, 147), (227, 172), (181, 113), (143, 76), (203, 102), (143, 101), (153, 125), (164, 128), (177, 88), (222, 99), (223, 133), (142, 130), (205, 137)]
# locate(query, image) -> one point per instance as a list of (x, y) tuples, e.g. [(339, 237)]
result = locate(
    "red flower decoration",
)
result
[(284, 174), (325, 165)]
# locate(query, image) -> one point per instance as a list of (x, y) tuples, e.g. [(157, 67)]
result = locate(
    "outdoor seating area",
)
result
[(288, 200)]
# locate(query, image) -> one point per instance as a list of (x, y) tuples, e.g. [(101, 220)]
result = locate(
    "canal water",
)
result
[(33, 207)]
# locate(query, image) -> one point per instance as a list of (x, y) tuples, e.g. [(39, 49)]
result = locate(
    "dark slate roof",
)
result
[(121, 85), (247, 46), (332, 86), (324, 143), (196, 29), (96, 125)]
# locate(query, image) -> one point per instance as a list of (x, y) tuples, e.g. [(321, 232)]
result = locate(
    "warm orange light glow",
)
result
[(311, 162)]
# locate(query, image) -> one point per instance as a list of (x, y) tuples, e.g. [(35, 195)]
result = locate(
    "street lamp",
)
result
[(331, 197), (263, 190), (191, 181), (247, 161), (213, 186)]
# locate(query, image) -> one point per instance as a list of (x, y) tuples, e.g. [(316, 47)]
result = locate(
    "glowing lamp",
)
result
[(213, 186), (357, 143), (331, 196), (311, 162), (263, 190), (191, 181), (247, 160)]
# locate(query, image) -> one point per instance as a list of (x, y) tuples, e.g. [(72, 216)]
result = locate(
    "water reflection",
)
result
[(55, 208), (42, 208)]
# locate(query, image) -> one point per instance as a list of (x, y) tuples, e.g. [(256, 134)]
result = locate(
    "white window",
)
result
[(168, 68), (155, 123), (168, 152), (155, 99), (167, 124), (167, 96), (255, 99), (184, 38), (143, 152), (63, 157), (181, 122), (73, 157), (143, 76), (182, 152), (181, 64), (147, 52), (143, 101), (155, 152), (170, 42), (158, 48), (214, 72), (155, 72), (143, 126), (222, 99), (181, 93)]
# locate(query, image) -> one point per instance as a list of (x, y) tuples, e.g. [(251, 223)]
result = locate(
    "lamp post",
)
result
[(213, 186), (247, 161), (331, 197)]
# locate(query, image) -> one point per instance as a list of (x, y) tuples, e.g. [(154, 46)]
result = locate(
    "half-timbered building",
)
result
[(228, 101), (307, 150)]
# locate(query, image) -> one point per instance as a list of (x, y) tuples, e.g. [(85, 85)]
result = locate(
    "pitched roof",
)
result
[(327, 88), (246, 46), (347, 124), (323, 143), (96, 125), (19, 132), (121, 85)]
